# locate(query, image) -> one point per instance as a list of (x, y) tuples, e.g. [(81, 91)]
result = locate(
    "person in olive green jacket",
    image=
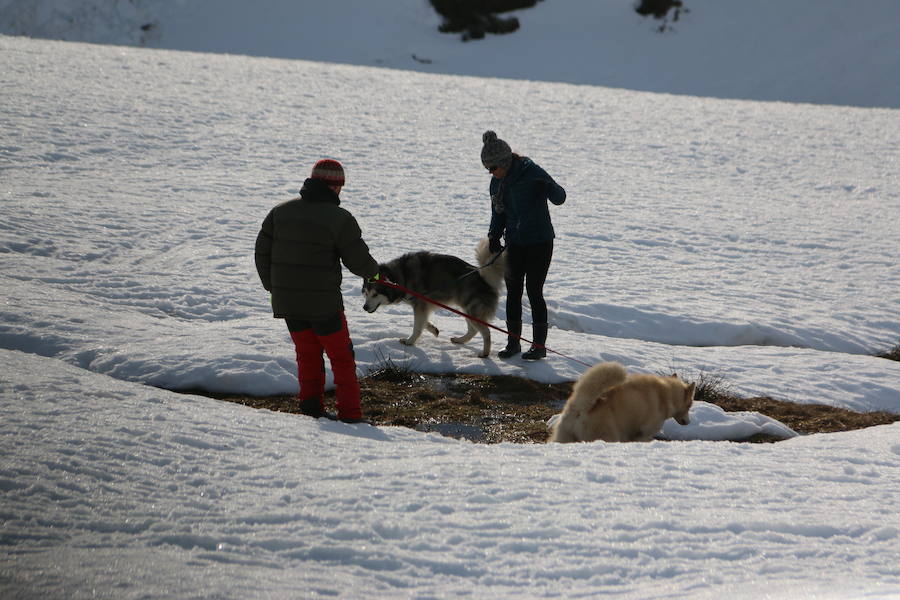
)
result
[(299, 252)]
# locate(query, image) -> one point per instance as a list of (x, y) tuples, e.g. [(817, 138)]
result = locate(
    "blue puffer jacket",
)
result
[(519, 210)]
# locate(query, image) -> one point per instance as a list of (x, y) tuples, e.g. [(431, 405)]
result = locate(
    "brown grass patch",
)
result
[(503, 408)]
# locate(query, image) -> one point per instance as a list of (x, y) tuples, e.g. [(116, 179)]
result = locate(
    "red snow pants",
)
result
[(330, 335)]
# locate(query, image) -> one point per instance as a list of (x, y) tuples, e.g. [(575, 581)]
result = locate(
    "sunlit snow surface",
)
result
[(756, 241), (753, 241)]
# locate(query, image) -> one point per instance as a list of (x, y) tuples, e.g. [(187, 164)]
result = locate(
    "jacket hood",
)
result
[(316, 190)]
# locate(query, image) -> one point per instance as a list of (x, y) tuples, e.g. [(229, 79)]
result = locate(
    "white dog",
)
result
[(608, 404)]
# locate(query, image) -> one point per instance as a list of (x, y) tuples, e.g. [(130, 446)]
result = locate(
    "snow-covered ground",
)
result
[(116, 490), (754, 241)]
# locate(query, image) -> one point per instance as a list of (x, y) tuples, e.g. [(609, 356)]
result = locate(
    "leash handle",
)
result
[(406, 290)]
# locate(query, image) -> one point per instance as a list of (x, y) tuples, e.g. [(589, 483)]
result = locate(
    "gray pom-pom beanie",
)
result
[(495, 152)]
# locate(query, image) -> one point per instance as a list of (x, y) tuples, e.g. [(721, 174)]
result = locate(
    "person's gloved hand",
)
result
[(494, 245)]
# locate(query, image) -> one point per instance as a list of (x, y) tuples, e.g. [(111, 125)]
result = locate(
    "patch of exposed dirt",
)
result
[(476, 18), (492, 409), (892, 354), (809, 418)]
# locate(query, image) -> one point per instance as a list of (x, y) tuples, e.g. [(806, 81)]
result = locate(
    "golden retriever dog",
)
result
[(609, 404)]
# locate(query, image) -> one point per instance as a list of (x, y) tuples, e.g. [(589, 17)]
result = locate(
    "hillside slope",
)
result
[(819, 51)]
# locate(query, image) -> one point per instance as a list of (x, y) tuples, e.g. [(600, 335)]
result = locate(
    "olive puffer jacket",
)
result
[(299, 251), (519, 209)]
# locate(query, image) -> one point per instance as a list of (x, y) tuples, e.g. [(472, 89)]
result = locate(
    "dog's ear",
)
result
[(689, 392)]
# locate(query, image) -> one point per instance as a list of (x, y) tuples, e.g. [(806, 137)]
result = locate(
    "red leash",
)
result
[(397, 286)]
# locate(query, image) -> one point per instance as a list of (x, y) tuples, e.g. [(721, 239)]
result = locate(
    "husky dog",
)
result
[(609, 404), (447, 279)]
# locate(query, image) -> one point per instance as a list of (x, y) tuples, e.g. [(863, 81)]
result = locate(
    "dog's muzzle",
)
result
[(370, 305)]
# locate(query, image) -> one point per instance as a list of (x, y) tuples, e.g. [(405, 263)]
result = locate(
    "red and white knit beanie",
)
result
[(330, 171)]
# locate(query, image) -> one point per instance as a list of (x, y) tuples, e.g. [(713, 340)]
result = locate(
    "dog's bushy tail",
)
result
[(593, 383), (493, 273), (585, 393)]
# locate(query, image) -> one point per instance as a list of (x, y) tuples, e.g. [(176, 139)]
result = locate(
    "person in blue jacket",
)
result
[(519, 192)]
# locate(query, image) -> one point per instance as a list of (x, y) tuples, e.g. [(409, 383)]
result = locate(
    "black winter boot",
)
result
[(537, 350), (312, 407), (512, 344)]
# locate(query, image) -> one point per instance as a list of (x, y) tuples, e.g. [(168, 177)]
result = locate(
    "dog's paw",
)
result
[(407, 342), (458, 340), (483, 354), (434, 330)]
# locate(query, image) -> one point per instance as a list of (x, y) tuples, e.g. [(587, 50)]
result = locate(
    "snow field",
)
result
[(753, 241)]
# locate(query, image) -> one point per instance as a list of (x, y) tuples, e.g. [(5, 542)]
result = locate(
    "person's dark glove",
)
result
[(494, 245)]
